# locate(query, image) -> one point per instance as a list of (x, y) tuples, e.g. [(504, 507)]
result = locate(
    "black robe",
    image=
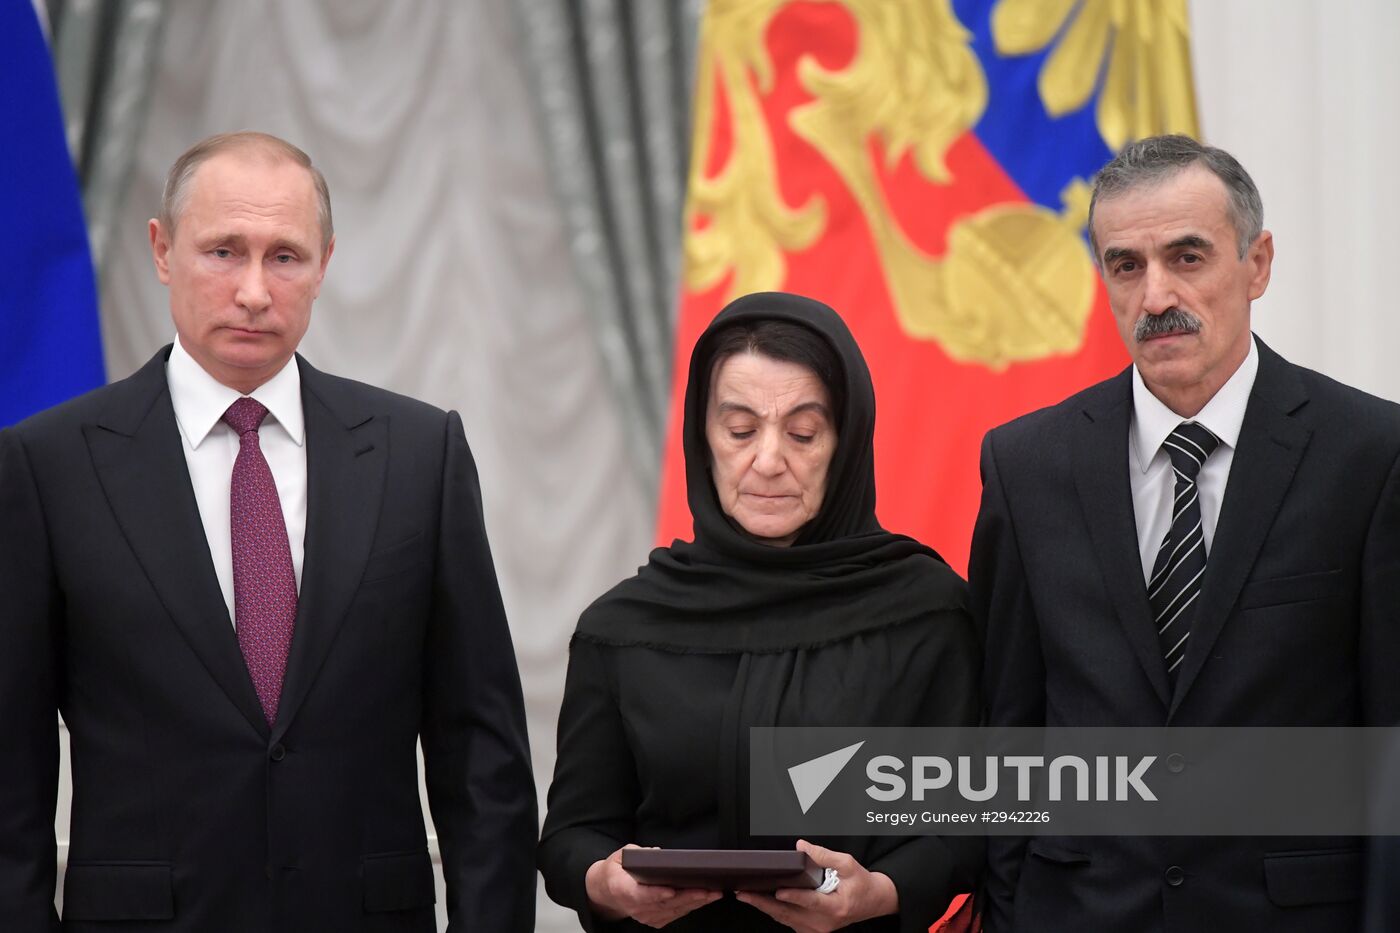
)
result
[(849, 626)]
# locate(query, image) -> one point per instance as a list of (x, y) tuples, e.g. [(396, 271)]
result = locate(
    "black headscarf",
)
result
[(843, 574)]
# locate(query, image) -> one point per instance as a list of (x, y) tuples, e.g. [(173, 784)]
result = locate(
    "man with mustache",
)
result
[(1211, 538), (251, 588)]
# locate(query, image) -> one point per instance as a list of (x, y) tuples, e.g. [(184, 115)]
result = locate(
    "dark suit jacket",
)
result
[(1383, 868), (1298, 623), (189, 813)]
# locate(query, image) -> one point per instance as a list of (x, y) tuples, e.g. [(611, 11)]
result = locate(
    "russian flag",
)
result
[(923, 169), (50, 344)]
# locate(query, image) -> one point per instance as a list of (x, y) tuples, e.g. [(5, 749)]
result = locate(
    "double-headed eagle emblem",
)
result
[(1015, 281)]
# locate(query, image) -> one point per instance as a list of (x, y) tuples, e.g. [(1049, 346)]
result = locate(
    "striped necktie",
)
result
[(1181, 560)]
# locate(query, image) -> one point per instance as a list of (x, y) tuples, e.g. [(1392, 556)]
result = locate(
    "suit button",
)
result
[(1176, 763), (277, 753), (1175, 876)]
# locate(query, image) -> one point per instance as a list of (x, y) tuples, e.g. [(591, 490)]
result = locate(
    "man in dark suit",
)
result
[(1211, 538), (250, 588)]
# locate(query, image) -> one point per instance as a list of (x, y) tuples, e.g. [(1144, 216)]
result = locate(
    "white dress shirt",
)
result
[(211, 447), (1150, 469)]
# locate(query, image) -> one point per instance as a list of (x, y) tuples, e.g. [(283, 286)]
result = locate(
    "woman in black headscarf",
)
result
[(791, 607)]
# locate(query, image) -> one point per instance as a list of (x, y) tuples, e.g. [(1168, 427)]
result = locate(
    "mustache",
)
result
[(1170, 321)]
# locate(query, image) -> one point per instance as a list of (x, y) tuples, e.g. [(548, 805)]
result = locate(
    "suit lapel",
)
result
[(346, 456), (1270, 447), (137, 454), (1099, 451)]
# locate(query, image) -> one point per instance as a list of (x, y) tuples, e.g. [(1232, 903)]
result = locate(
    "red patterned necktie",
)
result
[(264, 584)]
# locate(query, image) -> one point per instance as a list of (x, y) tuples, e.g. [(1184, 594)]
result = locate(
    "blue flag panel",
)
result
[(50, 345)]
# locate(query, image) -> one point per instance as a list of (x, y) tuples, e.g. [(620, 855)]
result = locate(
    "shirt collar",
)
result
[(1223, 414), (200, 400)]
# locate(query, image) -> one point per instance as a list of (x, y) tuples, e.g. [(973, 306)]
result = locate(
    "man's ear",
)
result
[(325, 260), (160, 250), (1261, 260)]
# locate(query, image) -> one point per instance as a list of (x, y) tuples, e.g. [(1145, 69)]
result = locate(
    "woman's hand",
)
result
[(860, 896), (615, 894)]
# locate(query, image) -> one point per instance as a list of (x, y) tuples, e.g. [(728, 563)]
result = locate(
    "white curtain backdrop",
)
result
[(452, 282)]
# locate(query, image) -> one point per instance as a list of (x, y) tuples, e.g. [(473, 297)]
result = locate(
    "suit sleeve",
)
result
[(594, 796), (1380, 611), (1013, 668), (29, 612), (480, 784)]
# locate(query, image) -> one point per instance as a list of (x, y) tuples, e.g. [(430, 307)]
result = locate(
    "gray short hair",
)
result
[(1151, 160), (177, 182)]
